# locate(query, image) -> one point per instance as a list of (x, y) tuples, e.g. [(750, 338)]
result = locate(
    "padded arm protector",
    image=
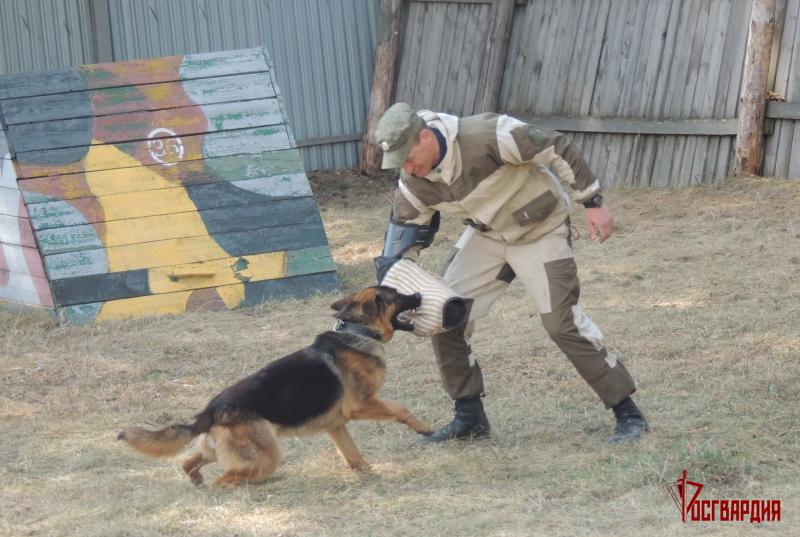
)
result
[(400, 238)]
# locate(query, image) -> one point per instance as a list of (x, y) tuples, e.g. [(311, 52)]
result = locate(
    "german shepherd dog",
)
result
[(318, 388)]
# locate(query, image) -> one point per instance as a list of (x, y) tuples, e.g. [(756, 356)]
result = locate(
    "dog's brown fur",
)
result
[(240, 427)]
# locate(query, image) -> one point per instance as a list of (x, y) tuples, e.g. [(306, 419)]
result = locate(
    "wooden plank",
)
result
[(101, 32), (593, 58), (327, 140), (712, 127), (247, 294), (677, 81), (284, 168), (184, 250), (463, 98), (11, 203), (205, 274), (783, 110), (4, 150), (21, 260), (150, 97), (17, 231), (447, 55), (532, 56), (556, 54), (452, 69), (452, 1), (173, 226), (165, 201), (196, 147), (783, 140), (126, 127), (608, 75), (150, 71), (502, 17), (698, 74), (704, 102), (779, 145), (793, 168), (433, 25)]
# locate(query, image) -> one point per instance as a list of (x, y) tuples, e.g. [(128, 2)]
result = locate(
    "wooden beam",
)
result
[(453, 1), (102, 43), (384, 79), (494, 64), (339, 138), (782, 110), (753, 96), (679, 127)]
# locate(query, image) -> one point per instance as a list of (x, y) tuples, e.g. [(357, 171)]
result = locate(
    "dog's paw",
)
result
[(425, 432), (360, 466)]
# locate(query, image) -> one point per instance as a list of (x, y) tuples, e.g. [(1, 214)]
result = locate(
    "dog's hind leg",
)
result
[(192, 467), (377, 409), (347, 448), (249, 452), (204, 455)]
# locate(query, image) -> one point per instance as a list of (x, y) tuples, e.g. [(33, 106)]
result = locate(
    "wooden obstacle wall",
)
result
[(154, 186)]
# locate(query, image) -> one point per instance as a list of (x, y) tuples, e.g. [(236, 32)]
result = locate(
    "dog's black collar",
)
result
[(355, 328)]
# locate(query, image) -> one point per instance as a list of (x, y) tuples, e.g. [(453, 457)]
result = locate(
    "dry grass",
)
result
[(698, 291)]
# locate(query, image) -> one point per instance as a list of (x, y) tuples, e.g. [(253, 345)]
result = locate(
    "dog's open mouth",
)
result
[(404, 317)]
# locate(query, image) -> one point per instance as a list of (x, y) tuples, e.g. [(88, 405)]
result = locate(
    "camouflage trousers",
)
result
[(481, 269)]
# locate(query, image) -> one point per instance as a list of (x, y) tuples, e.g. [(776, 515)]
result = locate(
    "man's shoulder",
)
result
[(478, 125)]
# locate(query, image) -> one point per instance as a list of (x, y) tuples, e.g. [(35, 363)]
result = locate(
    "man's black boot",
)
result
[(470, 422), (630, 422)]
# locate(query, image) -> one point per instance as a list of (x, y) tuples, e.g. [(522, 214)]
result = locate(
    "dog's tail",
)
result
[(167, 441)]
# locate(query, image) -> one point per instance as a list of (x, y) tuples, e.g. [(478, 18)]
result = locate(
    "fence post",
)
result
[(753, 95), (384, 78), (102, 42), (494, 64)]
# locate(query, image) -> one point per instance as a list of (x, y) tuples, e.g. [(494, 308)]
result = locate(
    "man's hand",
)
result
[(600, 223)]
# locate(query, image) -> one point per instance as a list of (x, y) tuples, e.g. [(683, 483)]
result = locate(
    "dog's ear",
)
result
[(370, 308), (342, 302)]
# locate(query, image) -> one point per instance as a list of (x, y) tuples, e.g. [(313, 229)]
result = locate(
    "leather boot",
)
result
[(630, 422), (470, 422)]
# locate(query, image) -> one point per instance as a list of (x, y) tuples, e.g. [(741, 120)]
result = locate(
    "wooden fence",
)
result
[(649, 90)]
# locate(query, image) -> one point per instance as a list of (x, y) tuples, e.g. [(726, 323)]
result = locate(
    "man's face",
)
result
[(423, 155)]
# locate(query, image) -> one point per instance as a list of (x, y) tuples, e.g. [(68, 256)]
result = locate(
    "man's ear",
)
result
[(425, 135)]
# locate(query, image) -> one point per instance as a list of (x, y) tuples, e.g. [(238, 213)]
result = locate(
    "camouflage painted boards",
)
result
[(154, 186)]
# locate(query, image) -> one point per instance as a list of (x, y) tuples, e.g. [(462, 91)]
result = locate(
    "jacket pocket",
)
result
[(537, 210)]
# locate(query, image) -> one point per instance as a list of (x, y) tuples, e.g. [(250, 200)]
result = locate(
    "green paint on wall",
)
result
[(238, 267), (309, 260)]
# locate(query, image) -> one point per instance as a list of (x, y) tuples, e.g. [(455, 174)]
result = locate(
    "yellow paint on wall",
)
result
[(154, 228), (119, 231), (141, 306), (168, 252), (118, 181), (232, 295), (218, 272), (166, 304), (147, 203)]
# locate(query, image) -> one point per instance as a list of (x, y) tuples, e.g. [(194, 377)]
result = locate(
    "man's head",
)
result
[(406, 142)]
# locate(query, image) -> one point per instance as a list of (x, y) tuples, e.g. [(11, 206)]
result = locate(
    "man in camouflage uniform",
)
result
[(502, 176)]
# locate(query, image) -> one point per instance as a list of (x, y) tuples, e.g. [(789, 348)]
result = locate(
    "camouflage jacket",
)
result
[(500, 173)]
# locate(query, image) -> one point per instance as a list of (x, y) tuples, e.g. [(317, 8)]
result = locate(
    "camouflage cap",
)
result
[(395, 134)]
